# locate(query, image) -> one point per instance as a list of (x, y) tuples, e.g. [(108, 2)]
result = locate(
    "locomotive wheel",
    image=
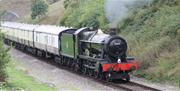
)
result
[(108, 77), (96, 75), (84, 71), (127, 79), (61, 61), (76, 68), (90, 72), (101, 76)]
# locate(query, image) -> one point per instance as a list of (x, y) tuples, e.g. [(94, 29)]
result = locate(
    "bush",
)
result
[(84, 13), (39, 8), (4, 59)]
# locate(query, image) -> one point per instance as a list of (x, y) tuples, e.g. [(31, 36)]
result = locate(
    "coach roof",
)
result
[(50, 29), (11, 24), (28, 27)]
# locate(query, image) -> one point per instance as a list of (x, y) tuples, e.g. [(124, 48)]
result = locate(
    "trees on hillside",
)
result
[(39, 8), (4, 59), (84, 13)]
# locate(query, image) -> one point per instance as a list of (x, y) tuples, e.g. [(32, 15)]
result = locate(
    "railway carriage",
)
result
[(28, 34), (46, 38), (25, 35), (11, 30), (86, 50)]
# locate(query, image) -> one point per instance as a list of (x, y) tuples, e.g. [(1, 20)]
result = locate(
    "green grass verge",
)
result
[(19, 81)]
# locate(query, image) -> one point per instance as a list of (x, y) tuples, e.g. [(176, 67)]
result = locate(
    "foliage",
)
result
[(153, 38), (4, 59), (152, 33), (168, 68), (39, 8), (82, 13)]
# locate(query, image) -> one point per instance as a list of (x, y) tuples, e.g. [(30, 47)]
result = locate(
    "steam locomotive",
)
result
[(86, 50)]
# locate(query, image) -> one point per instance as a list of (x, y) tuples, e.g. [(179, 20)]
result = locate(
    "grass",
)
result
[(19, 81), (168, 68)]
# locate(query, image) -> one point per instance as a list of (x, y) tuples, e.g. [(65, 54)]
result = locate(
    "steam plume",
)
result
[(116, 10)]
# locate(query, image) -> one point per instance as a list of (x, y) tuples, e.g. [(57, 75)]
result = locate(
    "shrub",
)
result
[(39, 8), (84, 13), (4, 59)]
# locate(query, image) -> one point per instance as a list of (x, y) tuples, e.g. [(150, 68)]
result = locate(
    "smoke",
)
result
[(117, 10)]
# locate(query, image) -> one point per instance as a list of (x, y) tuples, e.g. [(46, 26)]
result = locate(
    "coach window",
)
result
[(37, 37), (52, 40), (49, 39), (45, 39)]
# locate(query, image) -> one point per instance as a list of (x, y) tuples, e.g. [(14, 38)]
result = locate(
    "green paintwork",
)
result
[(96, 46), (67, 45), (76, 46)]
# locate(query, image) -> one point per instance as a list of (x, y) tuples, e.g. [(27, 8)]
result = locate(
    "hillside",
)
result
[(55, 11), (81, 13), (152, 33), (20, 7)]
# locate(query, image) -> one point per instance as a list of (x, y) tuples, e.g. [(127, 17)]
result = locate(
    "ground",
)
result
[(63, 79), (54, 76)]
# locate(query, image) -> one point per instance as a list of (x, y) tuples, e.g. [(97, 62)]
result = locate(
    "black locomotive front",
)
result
[(115, 48), (105, 55), (105, 46)]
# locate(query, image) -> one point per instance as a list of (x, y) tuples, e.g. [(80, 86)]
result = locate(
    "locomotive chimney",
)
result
[(113, 31)]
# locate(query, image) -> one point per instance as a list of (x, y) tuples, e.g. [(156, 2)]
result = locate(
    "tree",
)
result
[(39, 8), (4, 59)]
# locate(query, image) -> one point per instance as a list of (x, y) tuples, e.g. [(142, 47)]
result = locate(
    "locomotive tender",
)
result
[(86, 50)]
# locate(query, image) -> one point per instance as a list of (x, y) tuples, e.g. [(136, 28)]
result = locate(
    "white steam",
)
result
[(116, 10)]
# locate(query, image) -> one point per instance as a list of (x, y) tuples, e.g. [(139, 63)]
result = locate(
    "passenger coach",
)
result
[(86, 50)]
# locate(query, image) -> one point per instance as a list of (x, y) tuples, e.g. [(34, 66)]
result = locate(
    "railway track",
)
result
[(120, 85), (132, 86)]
